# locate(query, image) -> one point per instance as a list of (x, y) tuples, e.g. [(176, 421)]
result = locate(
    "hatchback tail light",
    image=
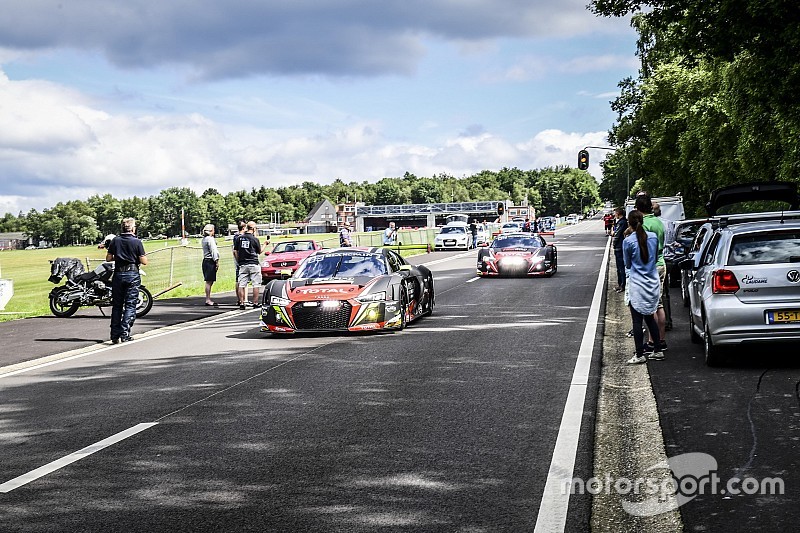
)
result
[(724, 282)]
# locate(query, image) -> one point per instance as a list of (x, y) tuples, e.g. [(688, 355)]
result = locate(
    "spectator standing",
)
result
[(247, 251), (608, 222), (127, 252), (639, 251), (526, 226), (390, 235), (210, 261), (619, 235), (473, 229), (344, 235), (242, 225), (644, 204)]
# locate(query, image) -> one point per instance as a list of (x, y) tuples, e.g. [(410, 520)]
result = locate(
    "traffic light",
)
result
[(501, 208), (583, 159)]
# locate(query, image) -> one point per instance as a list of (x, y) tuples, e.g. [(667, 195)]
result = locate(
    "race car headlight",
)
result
[(374, 297), (277, 300)]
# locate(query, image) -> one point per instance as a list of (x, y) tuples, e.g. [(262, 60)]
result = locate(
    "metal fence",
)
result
[(181, 266)]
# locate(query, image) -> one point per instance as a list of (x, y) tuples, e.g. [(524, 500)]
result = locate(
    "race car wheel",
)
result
[(403, 307), (554, 264), (430, 302)]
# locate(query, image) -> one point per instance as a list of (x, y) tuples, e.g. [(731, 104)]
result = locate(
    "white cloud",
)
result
[(241, 38), (93, 151)]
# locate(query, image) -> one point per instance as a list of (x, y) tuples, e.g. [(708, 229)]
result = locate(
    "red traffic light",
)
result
[(583, 159)]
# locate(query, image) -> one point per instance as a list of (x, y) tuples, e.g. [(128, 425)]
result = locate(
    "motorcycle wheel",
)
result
[(145, 302), (59, 309)]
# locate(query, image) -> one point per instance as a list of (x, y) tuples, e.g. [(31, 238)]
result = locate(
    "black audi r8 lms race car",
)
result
[(518, 254), (348, 289)]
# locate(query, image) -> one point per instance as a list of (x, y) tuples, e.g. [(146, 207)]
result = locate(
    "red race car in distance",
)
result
[(286, 255), (518, 254)]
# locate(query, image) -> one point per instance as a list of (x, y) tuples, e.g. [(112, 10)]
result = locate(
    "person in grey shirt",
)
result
[(210, 261)]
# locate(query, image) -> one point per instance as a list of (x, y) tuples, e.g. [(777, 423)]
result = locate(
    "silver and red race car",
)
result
[(348, 289), (518, 254)]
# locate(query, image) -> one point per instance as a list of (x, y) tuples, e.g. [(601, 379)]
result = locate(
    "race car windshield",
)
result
[(517, 242), (342, 265)]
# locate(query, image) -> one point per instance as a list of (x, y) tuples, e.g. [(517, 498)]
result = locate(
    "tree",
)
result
[(715, 100), (389, 191), (166, 211)]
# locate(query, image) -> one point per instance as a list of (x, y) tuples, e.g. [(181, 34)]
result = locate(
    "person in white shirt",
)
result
[(390, 235), (344, 235), (210, 261)]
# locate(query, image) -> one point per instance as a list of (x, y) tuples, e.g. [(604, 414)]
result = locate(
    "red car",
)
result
[(286, 255)]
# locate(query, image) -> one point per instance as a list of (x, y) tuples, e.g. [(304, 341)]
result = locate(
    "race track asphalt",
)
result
[(447, 426)]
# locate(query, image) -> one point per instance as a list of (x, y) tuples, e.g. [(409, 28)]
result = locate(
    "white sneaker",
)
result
[(637, 360)]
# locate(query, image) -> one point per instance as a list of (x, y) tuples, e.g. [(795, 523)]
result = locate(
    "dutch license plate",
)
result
[(784, 316)]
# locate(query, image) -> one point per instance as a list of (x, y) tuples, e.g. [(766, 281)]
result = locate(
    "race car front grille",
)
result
[(319, 317)]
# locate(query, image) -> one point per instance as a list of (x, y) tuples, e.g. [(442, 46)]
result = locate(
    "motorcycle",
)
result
[(84, 289)]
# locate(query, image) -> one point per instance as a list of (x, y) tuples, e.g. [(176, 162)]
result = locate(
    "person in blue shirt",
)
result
[(390, 235), (127, 252), (640, 253)]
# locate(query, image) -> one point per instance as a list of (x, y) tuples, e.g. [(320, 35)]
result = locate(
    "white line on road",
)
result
[(33, 475), (555, 500), (445, 259), (166, 330), (476, 278)]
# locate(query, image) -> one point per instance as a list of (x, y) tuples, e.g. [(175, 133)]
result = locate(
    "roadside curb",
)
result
[(629, 444)]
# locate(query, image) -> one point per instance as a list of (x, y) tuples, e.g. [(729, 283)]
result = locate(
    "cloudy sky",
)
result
[(133, 97)]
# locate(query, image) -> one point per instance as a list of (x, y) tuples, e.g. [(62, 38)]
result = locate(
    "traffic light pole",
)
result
[(627, 161)]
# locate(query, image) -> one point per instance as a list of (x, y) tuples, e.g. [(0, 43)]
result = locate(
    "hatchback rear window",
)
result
[(765, 248)]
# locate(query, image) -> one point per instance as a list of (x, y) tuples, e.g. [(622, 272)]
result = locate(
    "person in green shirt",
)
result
[(645, 205)]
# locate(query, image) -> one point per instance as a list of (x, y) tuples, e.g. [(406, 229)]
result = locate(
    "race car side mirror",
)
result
[(687, 264)]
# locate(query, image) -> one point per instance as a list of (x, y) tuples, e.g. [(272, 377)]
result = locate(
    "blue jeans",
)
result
[(124, 296), (638, 335), (620, 267)]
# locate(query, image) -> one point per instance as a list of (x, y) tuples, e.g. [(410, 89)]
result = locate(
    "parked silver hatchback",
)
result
[(745, 287)]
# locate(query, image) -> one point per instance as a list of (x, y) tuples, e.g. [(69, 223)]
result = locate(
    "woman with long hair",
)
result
[(639, 251)]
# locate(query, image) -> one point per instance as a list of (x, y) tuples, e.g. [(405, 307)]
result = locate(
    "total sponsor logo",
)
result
[(323, 290)]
